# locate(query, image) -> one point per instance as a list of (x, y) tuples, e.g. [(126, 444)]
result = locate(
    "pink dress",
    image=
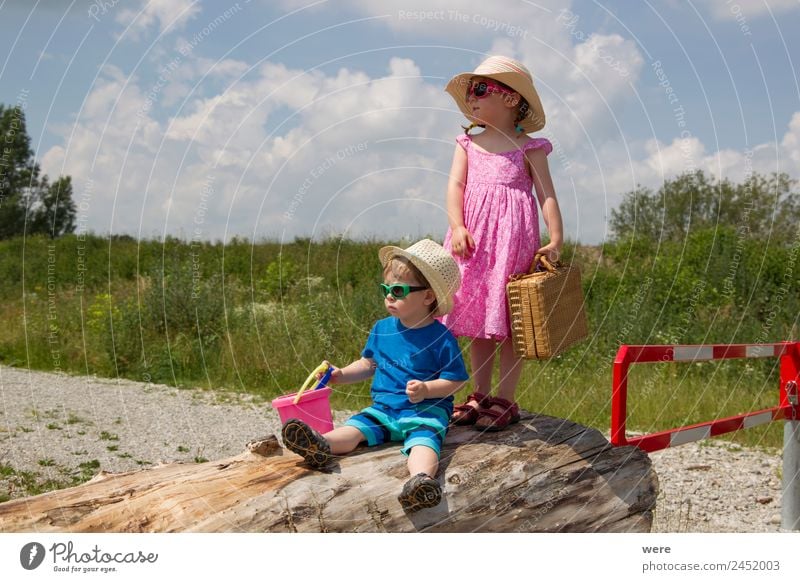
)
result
[(500, 212)]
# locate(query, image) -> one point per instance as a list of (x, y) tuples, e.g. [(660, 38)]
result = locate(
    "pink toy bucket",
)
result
[(314, 408)]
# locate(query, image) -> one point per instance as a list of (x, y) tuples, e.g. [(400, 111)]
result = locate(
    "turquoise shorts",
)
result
[(422, 426)]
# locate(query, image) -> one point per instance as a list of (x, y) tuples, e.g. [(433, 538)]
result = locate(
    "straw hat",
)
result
[(435, 264), (509, 72)]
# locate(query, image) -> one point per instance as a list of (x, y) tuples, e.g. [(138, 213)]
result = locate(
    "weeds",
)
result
[(15, 483)]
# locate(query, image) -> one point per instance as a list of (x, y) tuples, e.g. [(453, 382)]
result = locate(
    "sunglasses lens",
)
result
[(478, 89), (396, 291)]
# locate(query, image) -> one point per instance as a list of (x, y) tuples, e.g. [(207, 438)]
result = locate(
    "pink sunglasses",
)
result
[(481, 89)]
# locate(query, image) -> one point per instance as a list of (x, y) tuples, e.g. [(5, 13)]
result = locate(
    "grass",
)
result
[(15, 483), (678, 396), (87, 470), (74, 419)]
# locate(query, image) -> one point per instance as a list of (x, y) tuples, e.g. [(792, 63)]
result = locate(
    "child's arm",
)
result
[(417, 390), (461, 239), (546, 194), (355, 372)]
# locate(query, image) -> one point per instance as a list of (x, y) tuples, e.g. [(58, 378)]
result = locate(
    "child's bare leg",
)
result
[(482, 356), (344, 439), (422, 459), (510, 371), (421, 491)]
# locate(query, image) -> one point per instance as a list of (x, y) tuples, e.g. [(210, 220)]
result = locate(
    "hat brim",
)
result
[(534, 121), (444, 298)]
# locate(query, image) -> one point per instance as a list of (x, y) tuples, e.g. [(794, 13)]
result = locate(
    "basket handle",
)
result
[(541, 258), (323, 367)]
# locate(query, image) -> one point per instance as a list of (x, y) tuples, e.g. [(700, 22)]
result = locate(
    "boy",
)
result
[(416, 366)]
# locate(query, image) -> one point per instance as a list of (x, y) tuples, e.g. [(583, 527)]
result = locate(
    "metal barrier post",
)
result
[(790, 497)]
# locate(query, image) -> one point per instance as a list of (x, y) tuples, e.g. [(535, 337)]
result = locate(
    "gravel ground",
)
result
[(64, 429)]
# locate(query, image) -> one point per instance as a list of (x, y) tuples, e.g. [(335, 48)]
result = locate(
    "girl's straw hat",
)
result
[(509, 72), (435, 264)]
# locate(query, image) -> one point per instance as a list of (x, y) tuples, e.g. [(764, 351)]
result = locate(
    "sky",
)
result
[(276, 119)]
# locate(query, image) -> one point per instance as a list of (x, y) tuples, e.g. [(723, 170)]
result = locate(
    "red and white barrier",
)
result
[(788, 352)]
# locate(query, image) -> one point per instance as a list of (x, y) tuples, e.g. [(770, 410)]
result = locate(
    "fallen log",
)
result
[(543, 475)]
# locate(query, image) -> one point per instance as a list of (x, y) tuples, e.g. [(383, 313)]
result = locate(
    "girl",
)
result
[(494, 224)]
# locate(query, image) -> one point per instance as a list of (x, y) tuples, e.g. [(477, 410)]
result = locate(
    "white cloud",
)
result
[(359, 136), (690, 154), (181, 72), (165, 14), (110, 153), (605, 69), (791, 143), (682, 155), (213, 119)]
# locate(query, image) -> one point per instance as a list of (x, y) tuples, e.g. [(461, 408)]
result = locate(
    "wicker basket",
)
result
[(546, 309)]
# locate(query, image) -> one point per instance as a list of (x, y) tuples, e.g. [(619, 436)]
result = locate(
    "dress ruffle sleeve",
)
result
[(538, 143)]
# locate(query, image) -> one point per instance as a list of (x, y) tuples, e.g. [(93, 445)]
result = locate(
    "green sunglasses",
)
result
[(399, 290)]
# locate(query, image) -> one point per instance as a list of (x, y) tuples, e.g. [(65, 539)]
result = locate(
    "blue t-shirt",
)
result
[(404, 353)]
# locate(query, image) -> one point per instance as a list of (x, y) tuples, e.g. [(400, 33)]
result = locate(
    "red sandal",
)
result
[(469, 414), (490, 419)]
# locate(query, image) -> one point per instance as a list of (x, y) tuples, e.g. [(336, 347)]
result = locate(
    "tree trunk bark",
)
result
[(542, 475)]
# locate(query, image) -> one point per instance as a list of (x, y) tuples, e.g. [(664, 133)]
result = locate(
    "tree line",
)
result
[(29, 202), (760, 206)]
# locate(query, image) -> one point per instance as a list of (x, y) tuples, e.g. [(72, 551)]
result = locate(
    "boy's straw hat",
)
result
[(435, 264), (509, 72)]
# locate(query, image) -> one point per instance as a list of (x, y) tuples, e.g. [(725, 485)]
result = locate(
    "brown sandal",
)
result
[(490, 419), (468, 414), (419, 492), (303, 440)]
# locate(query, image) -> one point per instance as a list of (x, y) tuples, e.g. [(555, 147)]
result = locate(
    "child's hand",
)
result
[(461, 242), (552, 251), (417, 391), (336, 375)]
